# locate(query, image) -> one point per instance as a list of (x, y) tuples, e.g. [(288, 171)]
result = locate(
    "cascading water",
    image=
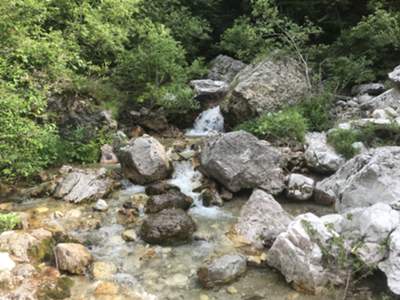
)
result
[(188, 179), (208, 122)]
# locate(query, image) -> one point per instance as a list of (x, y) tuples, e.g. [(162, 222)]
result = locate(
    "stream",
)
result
[(168, 273)]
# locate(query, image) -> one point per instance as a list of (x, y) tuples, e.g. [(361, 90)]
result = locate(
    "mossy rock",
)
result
[(61, 290)]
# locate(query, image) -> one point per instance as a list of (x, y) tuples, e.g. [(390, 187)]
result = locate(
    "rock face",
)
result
[(144, 160), (298, 256), (79, 185), (238, 160), (264, 87), (209, 89), (169, 226), (366, 179), (320, 156), (300, 187), (172, 199), (222, 270), (72, 258), (225, 68), (262, 219)]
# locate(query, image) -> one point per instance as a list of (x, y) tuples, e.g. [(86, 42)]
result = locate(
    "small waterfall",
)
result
[(188, 179), (208, 122)]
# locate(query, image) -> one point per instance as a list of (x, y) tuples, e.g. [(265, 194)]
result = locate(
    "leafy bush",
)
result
[(9, 221), (83, 145), (26, 146), (316, 109), (342, 140), (286, 126), (370, 135)]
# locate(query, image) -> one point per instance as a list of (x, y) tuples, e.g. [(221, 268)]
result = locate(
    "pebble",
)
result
[(103, 270), (204, 297), (231, 290), (101, 205), (129, 235)]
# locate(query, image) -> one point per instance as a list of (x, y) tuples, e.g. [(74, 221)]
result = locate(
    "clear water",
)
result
[(208, 122)]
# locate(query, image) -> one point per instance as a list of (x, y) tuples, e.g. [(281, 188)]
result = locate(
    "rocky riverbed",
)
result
[(209, 215)]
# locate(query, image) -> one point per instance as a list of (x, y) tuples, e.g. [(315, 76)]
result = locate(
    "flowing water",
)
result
[(168, 273), (208, 122)]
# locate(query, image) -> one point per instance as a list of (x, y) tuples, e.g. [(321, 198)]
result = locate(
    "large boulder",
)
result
[(170, 226), (320, 156), (72, 258), (239, 160), (144, 160), (262, 219), (225, 68), (394, 76), (297, 254), (366, 179), (264, 87), (173, 199), (222, 270), (373, 89), (77, 185), (209, 89), (25, 246)]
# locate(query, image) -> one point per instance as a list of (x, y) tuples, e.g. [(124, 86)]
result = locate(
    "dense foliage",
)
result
[(143, 53)]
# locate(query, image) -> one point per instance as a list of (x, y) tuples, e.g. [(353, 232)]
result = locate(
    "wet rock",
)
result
[(107, 155), (72, 258), (101, 205), (299, 257), (264, 87), (222, 270), (366, 179), (209, 122), (169, 226), (391, 266), (79, 185), (238, 160), (209, 89), (172, 199), (6, 263), (373, 89), (262, 219), (211, 197), (24, 246), (161, 187), (320, 156), (103, 270), (144, 160), (225, 68), (300, 187)]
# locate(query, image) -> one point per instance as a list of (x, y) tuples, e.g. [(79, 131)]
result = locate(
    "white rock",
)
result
[(391, 266), (380, 114), (6, 263), (300, 187), (262, 219), (101, 205), (366, 179), (298, 256), (320, 156)]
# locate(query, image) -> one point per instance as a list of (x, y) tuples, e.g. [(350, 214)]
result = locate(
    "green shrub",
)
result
[(315, 110), (286, 126), (342, 140), (26, 146), (9, 221), (83, 145), (370, 135)]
